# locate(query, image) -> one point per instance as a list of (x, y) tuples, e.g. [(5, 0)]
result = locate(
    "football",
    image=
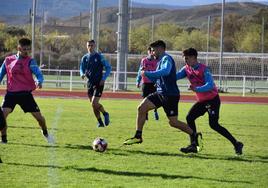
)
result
[(99, 144)]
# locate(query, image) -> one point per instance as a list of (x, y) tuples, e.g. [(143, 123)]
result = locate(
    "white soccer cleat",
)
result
[(50, 139)]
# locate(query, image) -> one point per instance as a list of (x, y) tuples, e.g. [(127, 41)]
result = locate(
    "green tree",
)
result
[(196, 39), (140, 38), (232, 25), (108, 40), (249, 38), (11, 43), (167, 32)]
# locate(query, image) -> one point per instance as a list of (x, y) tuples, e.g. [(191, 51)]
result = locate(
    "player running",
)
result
[(167, 95), (91, 66), (208, 99)]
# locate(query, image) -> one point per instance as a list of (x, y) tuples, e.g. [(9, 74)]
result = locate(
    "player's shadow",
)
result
[(128, 173), (67, 146), (79, 147), (35, 145), (249, 159), (24, 127)]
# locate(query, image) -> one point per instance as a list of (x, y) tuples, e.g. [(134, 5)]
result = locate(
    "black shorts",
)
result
[(94, 90), (169, 103), (148, 88), (24, 99), (211, 106)]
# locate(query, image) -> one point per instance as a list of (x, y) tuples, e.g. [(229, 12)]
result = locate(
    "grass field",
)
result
[(30, 162)]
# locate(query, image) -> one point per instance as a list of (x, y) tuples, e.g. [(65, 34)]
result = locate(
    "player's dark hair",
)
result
[(190, 52), (91, 41), (158, 43), (24, 42)]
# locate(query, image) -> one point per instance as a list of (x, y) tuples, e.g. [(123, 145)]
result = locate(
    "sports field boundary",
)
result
[(136, 95)]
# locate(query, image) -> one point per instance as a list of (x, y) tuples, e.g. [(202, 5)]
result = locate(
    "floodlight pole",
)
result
[(221, 45), (152, 37), (208, 39), (262, 48), (42, 40), (94, 20), (122, 45), (33, 27)]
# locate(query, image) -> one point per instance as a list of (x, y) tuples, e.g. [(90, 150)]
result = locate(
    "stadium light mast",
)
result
[(42, 39), (221, 45), (153, 22), (262, 48), (122, 45), (94, 20), (208, 39), (33, 27)]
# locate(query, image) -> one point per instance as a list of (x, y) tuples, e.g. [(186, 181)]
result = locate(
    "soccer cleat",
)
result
[(106, 118), (49, 139), (133, 140), (100, 124), (4, 139), (190, 149), (238, 148), (156, 116), (1, 160)]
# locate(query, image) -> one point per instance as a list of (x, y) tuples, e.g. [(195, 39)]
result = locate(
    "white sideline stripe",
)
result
[(52, 175)]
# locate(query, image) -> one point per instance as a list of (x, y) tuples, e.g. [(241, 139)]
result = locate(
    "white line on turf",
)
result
[(52, 172)]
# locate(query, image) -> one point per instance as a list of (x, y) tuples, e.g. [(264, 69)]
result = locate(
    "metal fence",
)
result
[(70, 79)]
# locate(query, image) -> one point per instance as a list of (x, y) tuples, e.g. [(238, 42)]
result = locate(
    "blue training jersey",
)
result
[(91, 66), (165, 76)]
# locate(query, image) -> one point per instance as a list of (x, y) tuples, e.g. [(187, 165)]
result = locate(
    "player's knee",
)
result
[(142, 109), (95, 105)]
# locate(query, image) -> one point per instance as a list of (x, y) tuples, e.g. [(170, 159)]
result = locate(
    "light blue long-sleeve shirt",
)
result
[(164, 76), (103, 61), (209, 83), (34, 69), (165, 69)]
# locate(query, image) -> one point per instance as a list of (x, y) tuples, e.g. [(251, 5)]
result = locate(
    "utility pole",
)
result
[(41, 33), (208, 40), (262, 48), (152, 39), (94, 20), (33, 27), (221, 45), (122, 45)]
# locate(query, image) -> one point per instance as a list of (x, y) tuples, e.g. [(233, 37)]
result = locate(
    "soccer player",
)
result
[(20, 84), (91, 67), (208, 99), (167, 95), (148, 63)]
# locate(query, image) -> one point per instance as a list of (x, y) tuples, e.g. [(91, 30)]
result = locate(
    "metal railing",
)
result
[(70, 79)]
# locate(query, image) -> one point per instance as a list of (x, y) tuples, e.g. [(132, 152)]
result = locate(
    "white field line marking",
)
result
[(52, 172)]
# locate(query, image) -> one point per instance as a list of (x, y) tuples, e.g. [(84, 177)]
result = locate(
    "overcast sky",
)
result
[(189, 2)]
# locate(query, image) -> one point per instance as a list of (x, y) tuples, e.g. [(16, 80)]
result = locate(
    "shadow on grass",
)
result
[(122, 152), (67, 146), (128, 173), (23, 127), (242, 158)]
